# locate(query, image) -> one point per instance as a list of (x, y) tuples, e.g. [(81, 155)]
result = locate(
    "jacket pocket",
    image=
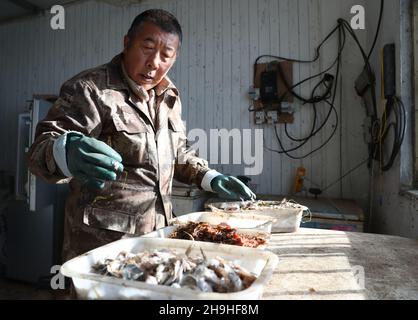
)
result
[(175, 127), (109, 219), (129, 122), (130, 138)]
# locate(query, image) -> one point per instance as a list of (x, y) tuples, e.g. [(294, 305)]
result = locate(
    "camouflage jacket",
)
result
[(99, 104)]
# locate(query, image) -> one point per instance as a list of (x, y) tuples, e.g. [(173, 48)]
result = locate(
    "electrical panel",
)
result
[(268, 87), (270, 96)]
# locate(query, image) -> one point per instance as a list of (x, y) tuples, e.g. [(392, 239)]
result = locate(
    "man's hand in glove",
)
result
[(91, 161), (228, 187)]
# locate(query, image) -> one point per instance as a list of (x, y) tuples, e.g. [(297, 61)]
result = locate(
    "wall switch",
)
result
[(254, 93), (259, 117), (287, 107), (272, 117)]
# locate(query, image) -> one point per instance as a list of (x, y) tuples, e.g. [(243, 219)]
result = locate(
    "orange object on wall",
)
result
[(300, 174)]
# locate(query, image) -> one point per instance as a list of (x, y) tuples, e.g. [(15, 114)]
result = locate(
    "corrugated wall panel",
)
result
[(222, 38)]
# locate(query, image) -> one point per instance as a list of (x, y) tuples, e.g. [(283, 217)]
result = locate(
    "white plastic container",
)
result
[(90, 285), (234, 219), (165, 233), (287, 219)]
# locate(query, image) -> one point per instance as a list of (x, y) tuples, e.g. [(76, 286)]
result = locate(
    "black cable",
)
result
[(341, 127), (379, 23), (317, 54), (306, 139), (326, 78), (399, 126), (313, 101), (312, 133), (342, 26), (290, 89), (346, 174), (373, 147), (330, 137), (396, 104), (286, 152), (347, 26), (340, 178)]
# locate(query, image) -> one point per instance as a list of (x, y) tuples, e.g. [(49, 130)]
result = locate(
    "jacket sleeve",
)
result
[(189, 168), (75, 110)]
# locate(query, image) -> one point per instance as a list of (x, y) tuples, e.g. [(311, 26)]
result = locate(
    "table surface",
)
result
[(328, 264)]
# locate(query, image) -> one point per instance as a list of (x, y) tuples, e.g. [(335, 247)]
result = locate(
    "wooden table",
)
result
[(327, 264)]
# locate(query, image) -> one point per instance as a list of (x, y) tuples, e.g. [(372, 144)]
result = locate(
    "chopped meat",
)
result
[(222, 233)]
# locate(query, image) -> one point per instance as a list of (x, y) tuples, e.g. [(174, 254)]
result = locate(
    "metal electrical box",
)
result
[(35, 219), (270, 97)]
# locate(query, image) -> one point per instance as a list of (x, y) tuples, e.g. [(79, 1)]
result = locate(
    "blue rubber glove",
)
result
[(228, 187), (91, 161)]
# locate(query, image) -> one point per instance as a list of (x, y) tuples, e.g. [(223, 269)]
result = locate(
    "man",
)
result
[(116, 133)]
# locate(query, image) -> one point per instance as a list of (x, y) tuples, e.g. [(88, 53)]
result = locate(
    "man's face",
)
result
[(149, 55)]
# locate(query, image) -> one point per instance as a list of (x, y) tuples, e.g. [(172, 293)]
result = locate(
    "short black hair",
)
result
[(161, 18)]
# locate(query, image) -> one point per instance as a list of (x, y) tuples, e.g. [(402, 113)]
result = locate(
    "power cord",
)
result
[(329, 82)]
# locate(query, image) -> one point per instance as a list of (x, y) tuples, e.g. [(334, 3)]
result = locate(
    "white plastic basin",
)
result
[(90, 285)]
